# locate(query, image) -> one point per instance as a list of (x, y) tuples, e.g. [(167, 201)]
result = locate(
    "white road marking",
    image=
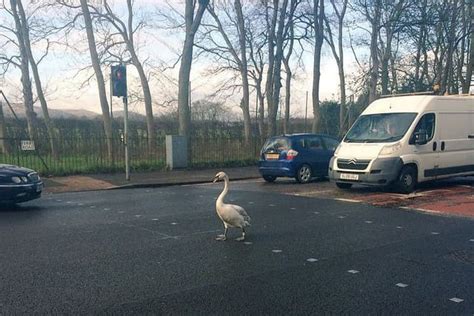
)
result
[(92, 206), (69, 202), (138, 215), (250, 202), (401, 285), (174, 223), (341, 217), (293, 208), (369, 222), (315, 212), (312, 260), (399, 227), (80, 204), (353, 271), (276, 250), (106, 209), (456, 300), (434, 233), (248, 242), (471, 240), (271, 204), (348, 200), (154, 219)]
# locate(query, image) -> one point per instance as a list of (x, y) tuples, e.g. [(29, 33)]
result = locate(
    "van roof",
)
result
[(419, 103)]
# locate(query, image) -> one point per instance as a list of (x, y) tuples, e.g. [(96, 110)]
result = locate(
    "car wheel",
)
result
[(407, 180), (344, 185), (269, 179), (304, 174)]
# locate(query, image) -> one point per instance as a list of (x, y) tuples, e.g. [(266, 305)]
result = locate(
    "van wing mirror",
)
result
[(421, 137)]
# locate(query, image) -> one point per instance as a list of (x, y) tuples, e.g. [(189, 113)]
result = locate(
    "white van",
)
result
[(406, 140)]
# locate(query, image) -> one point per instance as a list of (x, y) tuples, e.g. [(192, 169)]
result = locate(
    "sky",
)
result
[(66, 89)]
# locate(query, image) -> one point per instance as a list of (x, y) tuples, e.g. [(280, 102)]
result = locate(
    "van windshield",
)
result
[(380, 128)]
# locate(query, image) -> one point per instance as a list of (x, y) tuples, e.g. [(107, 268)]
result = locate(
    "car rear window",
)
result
[(277, 144)]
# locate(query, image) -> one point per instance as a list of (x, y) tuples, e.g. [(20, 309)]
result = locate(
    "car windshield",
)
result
[(277, 144), (380, 128)]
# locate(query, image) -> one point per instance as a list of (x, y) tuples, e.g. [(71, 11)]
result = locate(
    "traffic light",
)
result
[(119, 81)]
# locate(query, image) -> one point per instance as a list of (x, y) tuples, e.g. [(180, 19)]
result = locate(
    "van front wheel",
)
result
[(407, 180), (344, 185)]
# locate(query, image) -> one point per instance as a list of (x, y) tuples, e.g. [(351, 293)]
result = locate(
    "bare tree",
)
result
[(127, 31), (25, 72), (192, 22), (318, 21), (340, 12), (99, 76), (39, 88), (238, 55)]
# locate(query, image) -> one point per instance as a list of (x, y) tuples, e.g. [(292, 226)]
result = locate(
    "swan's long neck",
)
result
[(220, 199)]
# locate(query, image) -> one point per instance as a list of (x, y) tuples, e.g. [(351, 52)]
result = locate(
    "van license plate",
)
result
[(272, 156), (349, 176)]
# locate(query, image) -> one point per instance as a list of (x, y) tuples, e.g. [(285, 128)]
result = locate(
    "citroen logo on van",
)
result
[(352, 161)]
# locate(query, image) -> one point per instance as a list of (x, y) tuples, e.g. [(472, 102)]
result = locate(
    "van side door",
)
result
[(456, 148), (428, 151)]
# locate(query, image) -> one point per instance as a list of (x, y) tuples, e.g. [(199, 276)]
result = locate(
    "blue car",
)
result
[(299, 156)]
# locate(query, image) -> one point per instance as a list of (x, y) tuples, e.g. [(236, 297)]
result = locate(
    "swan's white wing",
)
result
[(233, 215)]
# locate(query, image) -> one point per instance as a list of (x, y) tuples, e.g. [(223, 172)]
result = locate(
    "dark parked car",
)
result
[(302, 156), (19, 184)]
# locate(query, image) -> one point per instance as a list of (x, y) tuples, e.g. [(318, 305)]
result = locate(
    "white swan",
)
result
[(231, 215)]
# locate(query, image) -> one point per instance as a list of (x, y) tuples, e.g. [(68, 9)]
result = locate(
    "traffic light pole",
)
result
[(125, 138)]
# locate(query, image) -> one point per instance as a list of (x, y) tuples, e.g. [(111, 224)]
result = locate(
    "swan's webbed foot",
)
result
[(241, 238), (221, 238)]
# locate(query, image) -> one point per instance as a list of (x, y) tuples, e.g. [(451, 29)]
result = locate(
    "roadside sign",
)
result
[(27, 145)]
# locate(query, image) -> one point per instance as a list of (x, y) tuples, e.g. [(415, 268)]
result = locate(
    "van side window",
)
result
[(426, 124)]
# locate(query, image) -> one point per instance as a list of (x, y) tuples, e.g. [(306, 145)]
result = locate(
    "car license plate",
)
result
[(39, 188), (349, 176), (272, 156)]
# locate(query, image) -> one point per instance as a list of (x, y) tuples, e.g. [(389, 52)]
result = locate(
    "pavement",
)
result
[(94, 182)]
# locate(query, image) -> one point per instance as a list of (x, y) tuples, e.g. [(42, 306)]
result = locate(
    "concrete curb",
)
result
[(168, 184)]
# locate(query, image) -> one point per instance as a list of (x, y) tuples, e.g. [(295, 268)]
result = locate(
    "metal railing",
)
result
[(76, 155)]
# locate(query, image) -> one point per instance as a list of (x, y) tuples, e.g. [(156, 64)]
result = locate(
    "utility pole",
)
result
[(125, 137)]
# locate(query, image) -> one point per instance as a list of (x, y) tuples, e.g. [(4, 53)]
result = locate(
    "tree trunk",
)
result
[(318, 17), (451, 39), (25, 75), (3, 132), (39, 89), (373, 52), (270, 72), (150, 120), (192, 24), (245, 104), (470, 59), (276, 86), (99, 77)]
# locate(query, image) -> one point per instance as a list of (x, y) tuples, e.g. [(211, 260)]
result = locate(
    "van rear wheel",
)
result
[(407, 180)]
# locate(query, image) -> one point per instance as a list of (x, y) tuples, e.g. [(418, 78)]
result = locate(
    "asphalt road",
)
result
[(152, 251)]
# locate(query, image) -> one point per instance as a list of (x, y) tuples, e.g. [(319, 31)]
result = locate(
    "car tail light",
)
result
[(291, 154)]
